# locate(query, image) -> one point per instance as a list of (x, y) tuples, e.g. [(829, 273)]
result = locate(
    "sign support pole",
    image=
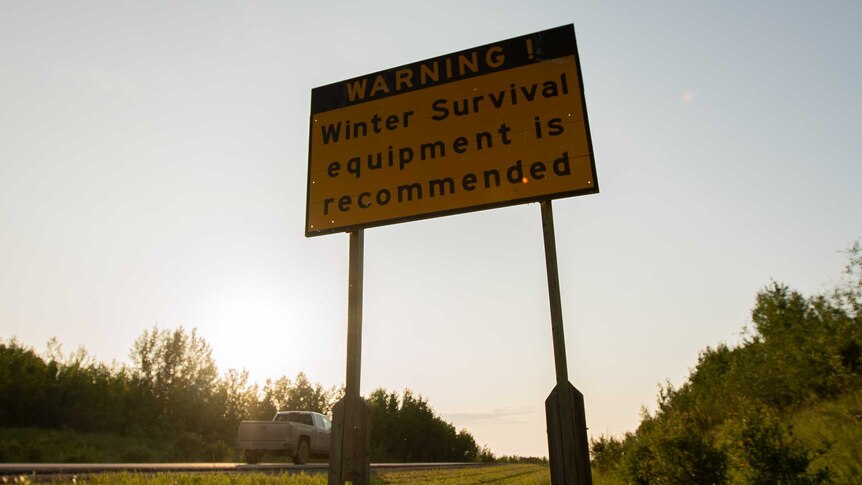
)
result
[(564, 408), (349, 441)]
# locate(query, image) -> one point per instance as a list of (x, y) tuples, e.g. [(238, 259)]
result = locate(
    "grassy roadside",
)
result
[(503, 474), (34, 445), (833, 430), (508, 474)]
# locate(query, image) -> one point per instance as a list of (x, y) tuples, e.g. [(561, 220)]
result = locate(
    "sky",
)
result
[(153, 164)]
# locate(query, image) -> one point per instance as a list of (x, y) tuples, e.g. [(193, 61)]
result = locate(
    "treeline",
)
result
[(406, 429), (733, 420), (173, 395)]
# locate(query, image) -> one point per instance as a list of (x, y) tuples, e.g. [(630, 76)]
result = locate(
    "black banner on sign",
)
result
[(498, 56)]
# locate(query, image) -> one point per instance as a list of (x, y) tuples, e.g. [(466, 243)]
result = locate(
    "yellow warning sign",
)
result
[(497, 125)]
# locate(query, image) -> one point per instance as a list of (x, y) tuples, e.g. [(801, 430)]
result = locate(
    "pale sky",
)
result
[(153, 160)]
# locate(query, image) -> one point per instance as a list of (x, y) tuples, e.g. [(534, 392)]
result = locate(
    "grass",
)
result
[(229, 478), (833, 429), (508, 474), (32, 445), (610, 477), (28, 445), (35, 445), (502, 474)]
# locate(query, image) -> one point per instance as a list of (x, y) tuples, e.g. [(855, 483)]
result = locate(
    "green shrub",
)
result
[(606, 452), (767, 452), (676, 450)]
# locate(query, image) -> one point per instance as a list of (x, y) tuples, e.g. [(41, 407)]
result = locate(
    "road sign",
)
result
[(496, 125)]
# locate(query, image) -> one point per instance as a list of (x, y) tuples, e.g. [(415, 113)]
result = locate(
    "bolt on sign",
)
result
[(496, 125)]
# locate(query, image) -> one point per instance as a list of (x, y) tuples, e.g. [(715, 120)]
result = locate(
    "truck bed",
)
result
[(265, 435)]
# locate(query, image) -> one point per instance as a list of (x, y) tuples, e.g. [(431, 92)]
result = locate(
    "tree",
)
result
[(465, 448), (175, 369), (672, 447), (725, 421), (237, 401), (309, 397), (408, 429), (276, 394), (606, 452), (172, 394), (26, 384)]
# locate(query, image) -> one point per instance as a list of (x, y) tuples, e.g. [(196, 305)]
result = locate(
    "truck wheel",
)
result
[(301, 455), (252, 457)]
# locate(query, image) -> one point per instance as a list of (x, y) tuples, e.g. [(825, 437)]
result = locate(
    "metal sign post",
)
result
[(564, 409), (351, 416)]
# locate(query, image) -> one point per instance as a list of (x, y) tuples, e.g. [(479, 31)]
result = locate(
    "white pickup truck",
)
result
[(297, 434)]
